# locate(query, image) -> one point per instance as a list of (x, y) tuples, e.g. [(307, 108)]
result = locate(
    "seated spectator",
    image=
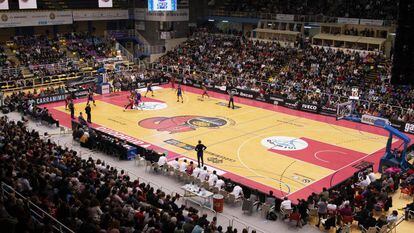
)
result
[(175, 164), (203, 174), (162, 160), (237, 192), (393, 217), (212, 178)]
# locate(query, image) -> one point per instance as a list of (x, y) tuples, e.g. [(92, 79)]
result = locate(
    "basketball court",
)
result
[(260, 145)]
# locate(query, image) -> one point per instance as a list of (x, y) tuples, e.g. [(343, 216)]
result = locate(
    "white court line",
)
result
[(322, 151)]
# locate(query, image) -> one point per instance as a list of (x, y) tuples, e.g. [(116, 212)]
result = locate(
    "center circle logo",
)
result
[(284, 143), (152, 106), (207, 122)]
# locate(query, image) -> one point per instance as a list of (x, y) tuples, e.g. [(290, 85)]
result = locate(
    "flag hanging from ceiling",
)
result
[(4, 4), (105, 3), (28, 4)]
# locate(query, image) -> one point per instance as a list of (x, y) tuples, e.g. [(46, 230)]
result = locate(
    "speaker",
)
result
[(403, 62)]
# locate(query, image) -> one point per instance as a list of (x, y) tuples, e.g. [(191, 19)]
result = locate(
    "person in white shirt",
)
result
[(175, 164), (372, 176), (212, 179), (392, 218), (183, 166), (365, 182), (219, 184), (286, 204), (203, 174), (196, 172), (162, 160), (237, 191)]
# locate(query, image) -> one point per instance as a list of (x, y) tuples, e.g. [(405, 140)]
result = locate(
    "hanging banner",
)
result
[(27, 4), (4, 4), (348, 20), (161, 16), (373, 22), (35, 18), (93, 15), (105, 3), (285, 17)]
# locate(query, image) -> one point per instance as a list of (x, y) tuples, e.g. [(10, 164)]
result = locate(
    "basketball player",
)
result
[(204, 88), (67, 100), (180, 94), (90, 98), (130, 102), (231, 98), (137, 99), (172, 80), (149, 89)]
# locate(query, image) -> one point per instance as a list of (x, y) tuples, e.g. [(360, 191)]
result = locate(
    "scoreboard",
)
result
[(162, 5)]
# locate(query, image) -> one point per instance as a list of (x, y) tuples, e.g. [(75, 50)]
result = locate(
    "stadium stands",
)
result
[(370, 9), (304, 73)]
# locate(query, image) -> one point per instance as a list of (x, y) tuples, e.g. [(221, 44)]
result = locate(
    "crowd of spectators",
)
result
[(39, 49), (371, 9), (303, 73), (85, 195), (3, 58), (87, 46)]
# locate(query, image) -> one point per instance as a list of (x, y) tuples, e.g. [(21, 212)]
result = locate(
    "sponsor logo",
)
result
[(152, 106), (197, 85), (52, 16), (310, 107), (372, 120), (247, 95), (278, 100), (123, 137), (226, 105), (291, 105), (81, 93), (4, 17), (284, 143), (215, 158), (180, 124), (409, 128), (50, 99)]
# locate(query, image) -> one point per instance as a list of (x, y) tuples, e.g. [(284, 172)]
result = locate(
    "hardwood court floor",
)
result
[(258, 144)]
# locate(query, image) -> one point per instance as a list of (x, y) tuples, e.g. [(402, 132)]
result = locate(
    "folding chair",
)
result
[(247, 206)]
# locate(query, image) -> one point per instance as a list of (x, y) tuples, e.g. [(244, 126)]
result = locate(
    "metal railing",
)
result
[(124, 52), (36, 212), (273, 16)]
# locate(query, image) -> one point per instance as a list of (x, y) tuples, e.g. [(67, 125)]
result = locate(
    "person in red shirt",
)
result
[(131, 102)]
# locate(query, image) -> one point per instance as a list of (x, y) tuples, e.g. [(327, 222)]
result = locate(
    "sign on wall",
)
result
[(35, 18), (348, 20), (93, 15), (105, 3), (4, 4), (162, 16), (28, 4)]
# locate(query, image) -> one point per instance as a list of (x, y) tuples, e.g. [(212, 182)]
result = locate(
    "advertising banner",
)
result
[(374, 22), (4, 4), (162, 16), (103, 14), (27, 4), (105, 3), (373, 120), (348, 20), (35, 18), (309, 107)]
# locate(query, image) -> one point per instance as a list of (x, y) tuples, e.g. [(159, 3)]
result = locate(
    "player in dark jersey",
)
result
[(137, 98), (205, 93), (90, 98), (67, 101), (149, 89), (180, 94)]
